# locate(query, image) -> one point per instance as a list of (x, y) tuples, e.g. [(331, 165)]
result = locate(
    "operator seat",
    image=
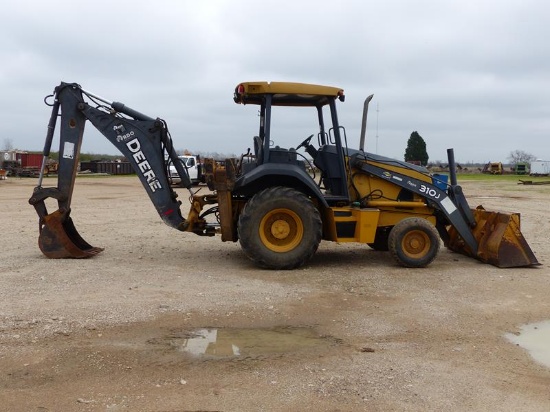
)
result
[(327, 162)]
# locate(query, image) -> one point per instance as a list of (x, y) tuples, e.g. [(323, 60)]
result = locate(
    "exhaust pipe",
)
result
[(364, 123)]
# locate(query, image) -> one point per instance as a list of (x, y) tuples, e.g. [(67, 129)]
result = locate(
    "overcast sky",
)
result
[(473, 75)]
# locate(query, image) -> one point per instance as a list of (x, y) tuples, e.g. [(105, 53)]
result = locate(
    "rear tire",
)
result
[(414, 242), (279, 228)]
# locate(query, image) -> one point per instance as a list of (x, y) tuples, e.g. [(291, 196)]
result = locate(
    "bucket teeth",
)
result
[(59, 238), (500, 241)]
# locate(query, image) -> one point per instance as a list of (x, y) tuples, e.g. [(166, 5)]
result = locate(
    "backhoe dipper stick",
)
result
[(58, 236)]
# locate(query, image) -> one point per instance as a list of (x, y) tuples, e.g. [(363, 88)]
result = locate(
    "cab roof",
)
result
[(287, 93)]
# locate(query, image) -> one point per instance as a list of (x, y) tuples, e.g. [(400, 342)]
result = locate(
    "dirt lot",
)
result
[(352, 331)]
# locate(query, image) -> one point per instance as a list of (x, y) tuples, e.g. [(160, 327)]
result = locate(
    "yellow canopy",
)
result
[(287, 93)]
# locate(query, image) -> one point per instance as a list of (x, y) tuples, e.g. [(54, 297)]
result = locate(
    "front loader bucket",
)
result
[(59, 238), (499, 238)]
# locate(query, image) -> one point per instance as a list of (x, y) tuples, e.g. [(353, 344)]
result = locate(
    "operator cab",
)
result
[(329, 158)]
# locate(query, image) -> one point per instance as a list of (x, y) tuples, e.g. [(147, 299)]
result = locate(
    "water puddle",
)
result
[(240, 342), (535, 338)]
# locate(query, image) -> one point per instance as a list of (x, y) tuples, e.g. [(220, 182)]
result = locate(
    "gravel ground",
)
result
[(351, 331)]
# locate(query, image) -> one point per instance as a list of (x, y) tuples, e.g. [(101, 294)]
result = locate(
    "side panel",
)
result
[(346, 224)]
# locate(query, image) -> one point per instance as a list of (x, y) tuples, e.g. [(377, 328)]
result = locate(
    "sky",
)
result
[(472, 75)]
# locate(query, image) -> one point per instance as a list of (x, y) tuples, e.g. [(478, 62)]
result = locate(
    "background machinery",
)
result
[(268, 200)]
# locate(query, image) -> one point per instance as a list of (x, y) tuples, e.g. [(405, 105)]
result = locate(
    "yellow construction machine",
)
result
[(277, 202)]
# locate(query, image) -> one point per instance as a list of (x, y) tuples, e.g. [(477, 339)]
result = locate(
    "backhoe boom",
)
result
[(144, 141)]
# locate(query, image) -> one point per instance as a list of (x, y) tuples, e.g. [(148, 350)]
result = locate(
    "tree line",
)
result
[(416, 152)]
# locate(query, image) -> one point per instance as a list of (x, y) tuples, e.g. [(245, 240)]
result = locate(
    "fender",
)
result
[(271, 173)]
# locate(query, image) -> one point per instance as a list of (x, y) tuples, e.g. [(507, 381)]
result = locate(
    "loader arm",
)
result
[(491, 237), (449, 205), (144, 141)]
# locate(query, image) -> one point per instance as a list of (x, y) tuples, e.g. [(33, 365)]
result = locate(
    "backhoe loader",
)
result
[(277, 202)]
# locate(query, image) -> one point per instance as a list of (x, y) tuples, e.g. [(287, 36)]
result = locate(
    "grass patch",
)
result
[(480, 177)]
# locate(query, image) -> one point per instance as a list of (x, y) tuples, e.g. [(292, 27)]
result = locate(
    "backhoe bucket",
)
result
[(500, 241), (59, 238)]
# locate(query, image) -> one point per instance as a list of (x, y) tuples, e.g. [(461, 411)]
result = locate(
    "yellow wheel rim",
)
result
[(281, 230), (416, 244)]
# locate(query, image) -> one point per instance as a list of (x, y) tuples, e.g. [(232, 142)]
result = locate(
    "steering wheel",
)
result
[(305, 142)]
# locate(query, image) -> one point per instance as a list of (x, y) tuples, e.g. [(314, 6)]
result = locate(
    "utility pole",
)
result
[(376, 127)]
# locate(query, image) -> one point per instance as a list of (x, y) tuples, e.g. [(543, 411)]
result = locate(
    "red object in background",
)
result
[(30, 159)]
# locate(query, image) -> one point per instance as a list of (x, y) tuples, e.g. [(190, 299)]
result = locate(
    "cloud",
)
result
[(465, 74)]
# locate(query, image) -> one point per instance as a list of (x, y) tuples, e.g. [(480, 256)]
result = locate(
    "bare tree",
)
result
[(8, 144), (519, 156)]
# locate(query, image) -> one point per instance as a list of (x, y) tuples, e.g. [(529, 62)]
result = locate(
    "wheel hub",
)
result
[(280, 229), (415, 243)]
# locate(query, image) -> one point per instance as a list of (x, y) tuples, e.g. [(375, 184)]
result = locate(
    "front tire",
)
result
[(414, 242), (279, 228)]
